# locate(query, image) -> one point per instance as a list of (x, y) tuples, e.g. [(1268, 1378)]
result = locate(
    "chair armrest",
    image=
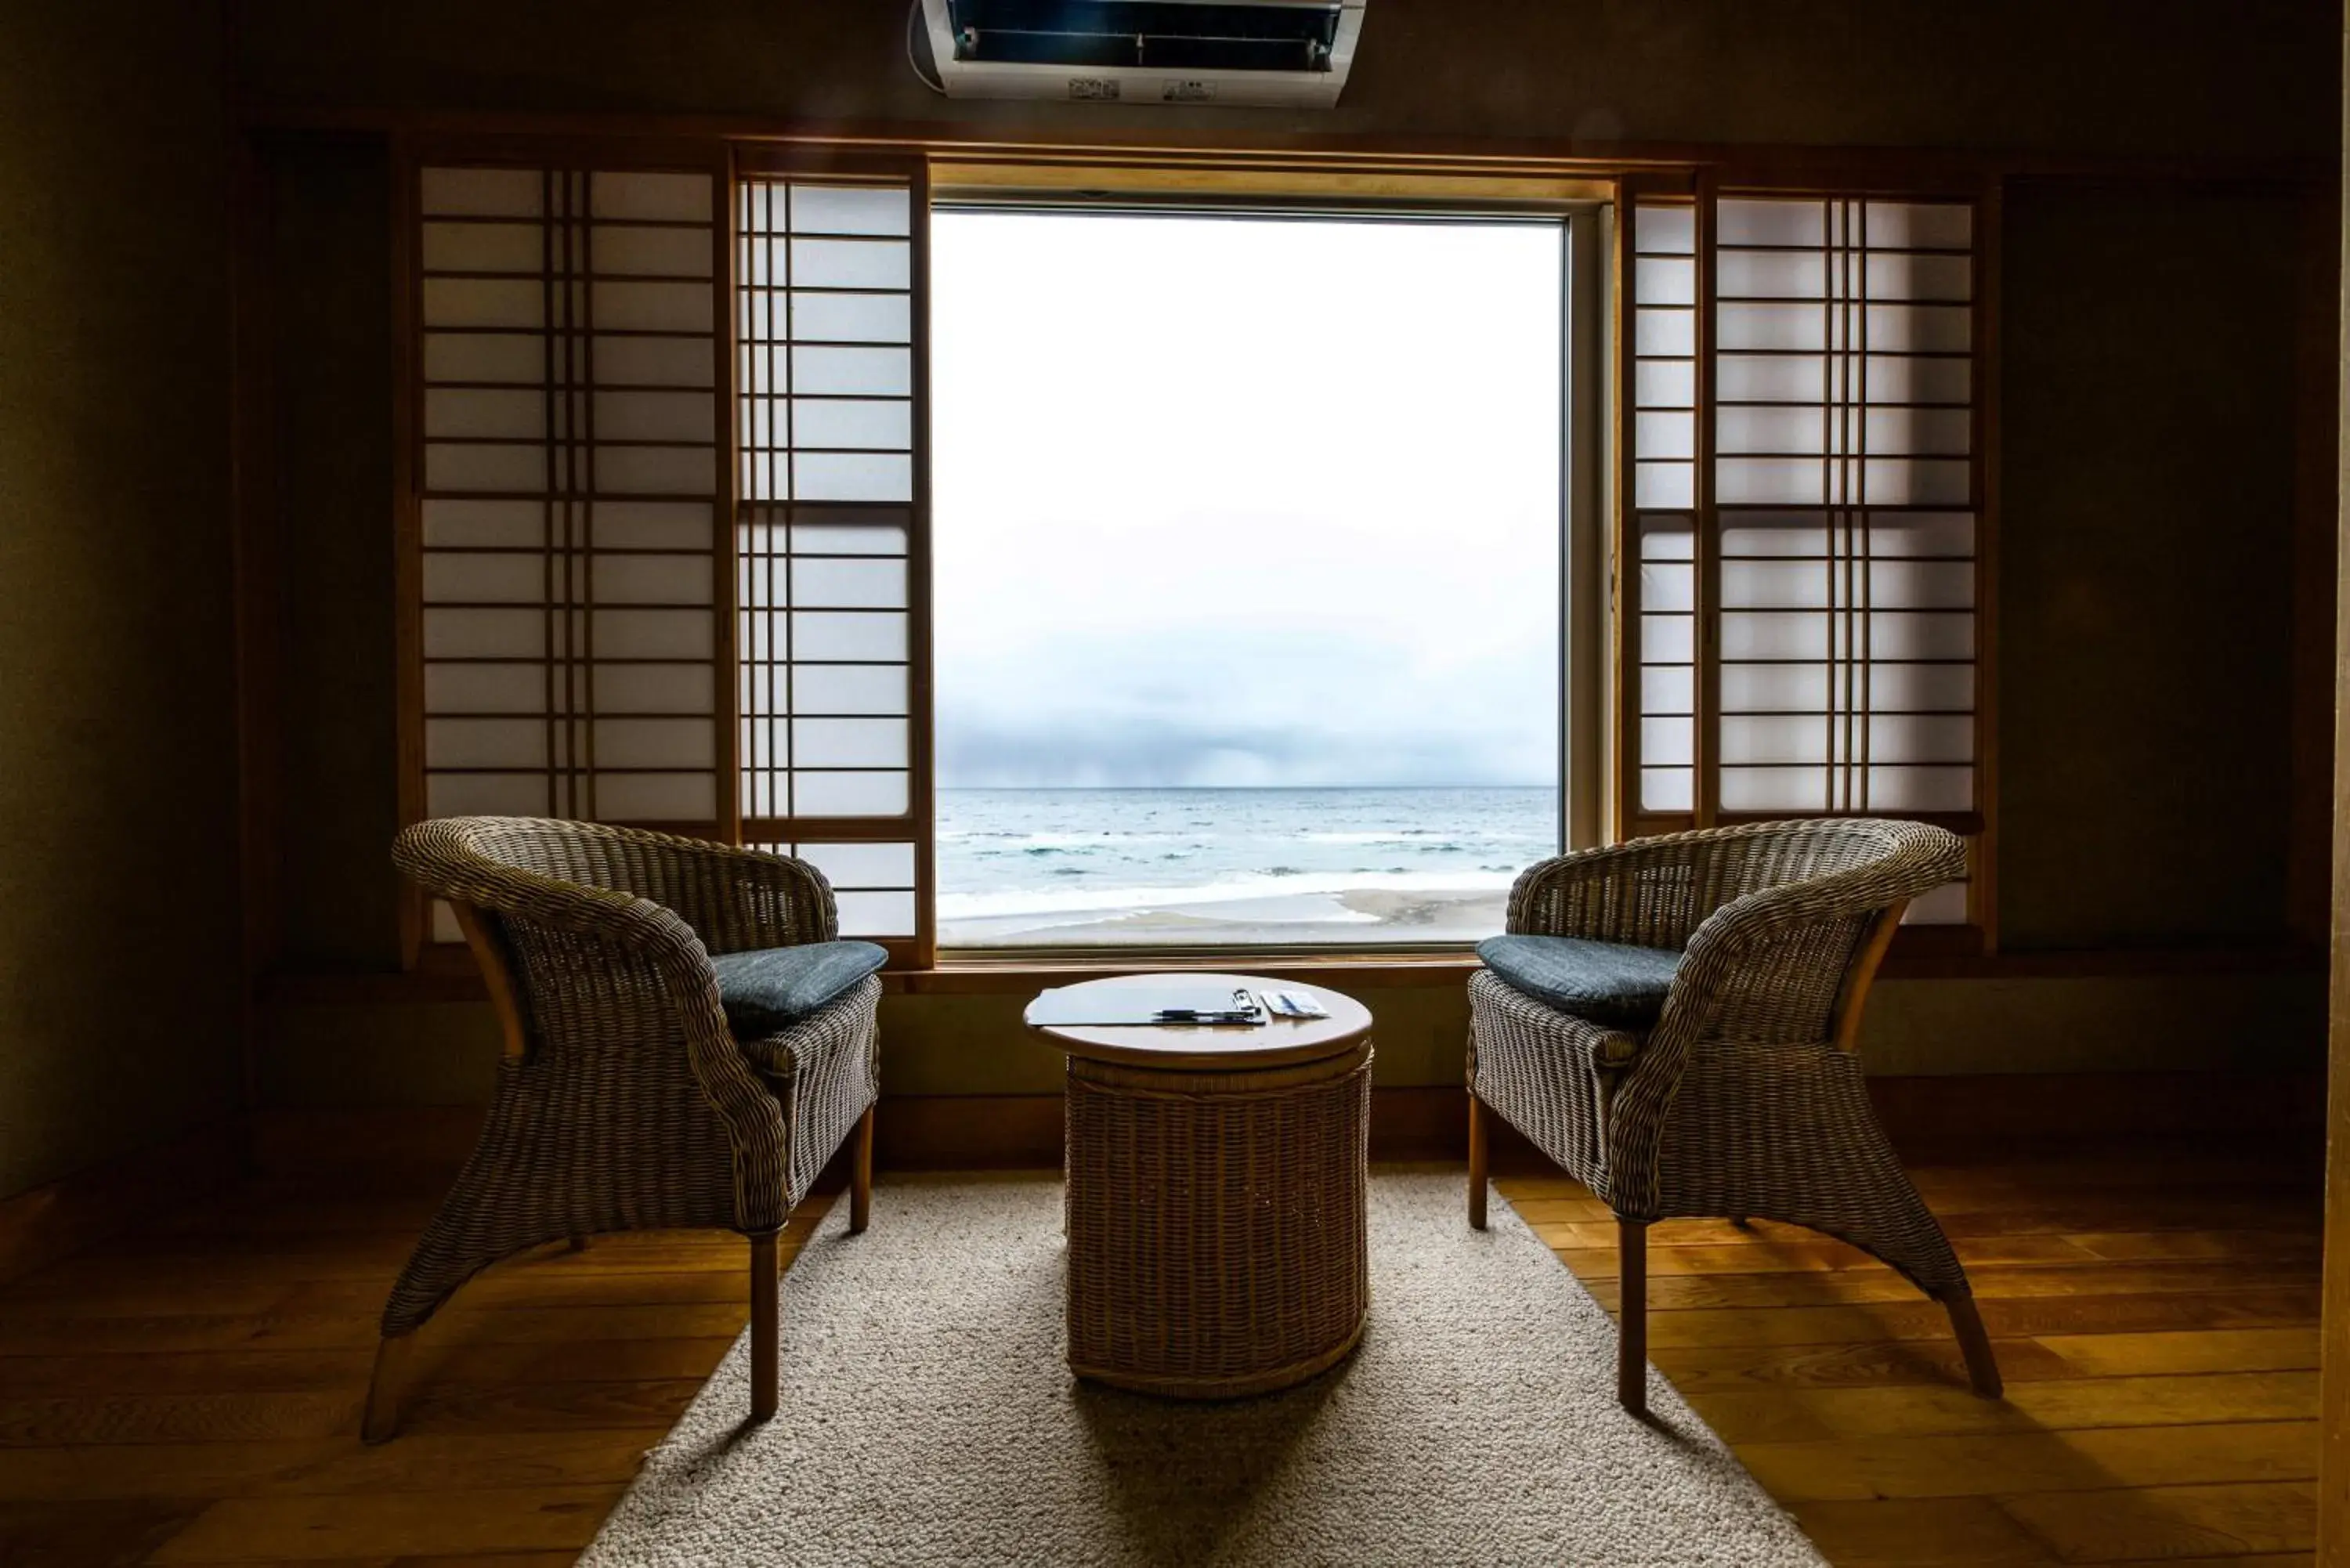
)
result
[(1777, 958), (623, 932)]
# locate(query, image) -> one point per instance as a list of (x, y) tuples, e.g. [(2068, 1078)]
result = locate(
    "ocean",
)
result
[(1274, 867)]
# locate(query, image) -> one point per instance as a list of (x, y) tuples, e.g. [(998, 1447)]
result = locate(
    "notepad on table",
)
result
[(1173, 1002)]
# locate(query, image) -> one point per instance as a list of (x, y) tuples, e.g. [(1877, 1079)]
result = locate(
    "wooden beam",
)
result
[(1888, 170), (2333, 1397)]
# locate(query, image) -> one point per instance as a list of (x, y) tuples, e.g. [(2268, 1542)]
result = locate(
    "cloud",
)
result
[(1227, 501)]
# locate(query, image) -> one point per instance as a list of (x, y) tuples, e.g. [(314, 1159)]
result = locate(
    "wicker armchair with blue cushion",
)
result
[(687, 1046), (1673, 1020)]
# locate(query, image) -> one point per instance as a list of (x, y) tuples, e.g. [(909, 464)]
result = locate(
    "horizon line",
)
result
[(1167, 789)]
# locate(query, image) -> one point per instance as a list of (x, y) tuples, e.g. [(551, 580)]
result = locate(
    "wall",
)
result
[(2146, 584), (2150, 492), (119, 956), (2255, 78)]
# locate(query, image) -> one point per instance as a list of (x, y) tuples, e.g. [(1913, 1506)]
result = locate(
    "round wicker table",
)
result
[(1217, 1190)]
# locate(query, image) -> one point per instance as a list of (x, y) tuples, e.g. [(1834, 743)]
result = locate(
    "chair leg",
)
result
[(861, 1176), (766, 1311), (386, 1388), (1982, 1368), (1479, 1158), (1632, 1315), (577, 1243)]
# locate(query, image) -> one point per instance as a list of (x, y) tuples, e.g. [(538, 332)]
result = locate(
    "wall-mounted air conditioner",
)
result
[(1292, 53)]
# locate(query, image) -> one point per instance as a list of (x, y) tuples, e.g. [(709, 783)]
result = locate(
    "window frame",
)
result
[(1585, 224)]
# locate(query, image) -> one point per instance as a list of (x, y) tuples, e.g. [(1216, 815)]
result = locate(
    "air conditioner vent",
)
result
[(1285, 52)]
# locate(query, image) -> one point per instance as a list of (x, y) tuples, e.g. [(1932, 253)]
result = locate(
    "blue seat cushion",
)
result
[(767, 989), (1609, 983)]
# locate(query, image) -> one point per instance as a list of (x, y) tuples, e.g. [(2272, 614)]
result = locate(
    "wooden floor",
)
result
[(193, 1396)]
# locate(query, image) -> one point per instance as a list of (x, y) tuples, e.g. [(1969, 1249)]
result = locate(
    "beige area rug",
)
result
[(927, 1417)]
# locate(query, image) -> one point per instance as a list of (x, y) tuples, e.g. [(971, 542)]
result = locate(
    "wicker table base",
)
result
[(1217, 1223)]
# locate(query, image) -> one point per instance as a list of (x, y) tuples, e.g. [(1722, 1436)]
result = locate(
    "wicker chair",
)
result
[(624, 1102), (1745, 1099)]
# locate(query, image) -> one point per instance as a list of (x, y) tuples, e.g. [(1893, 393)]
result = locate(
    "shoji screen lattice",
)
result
[(1665, 482), (828, 537), (570, 464), (569, 468), (1807, 510), (664, 469)]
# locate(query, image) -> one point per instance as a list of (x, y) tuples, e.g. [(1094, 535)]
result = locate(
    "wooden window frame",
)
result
[(752, 163), (1580, 208)]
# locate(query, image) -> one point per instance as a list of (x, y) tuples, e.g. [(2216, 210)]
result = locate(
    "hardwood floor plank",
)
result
[(307, 1529), (129, 1419), (65, 1334), (459, 1326), (590, 1361), (1780, 1254), (1936, 1532), (2035, 1461), (426, 1461), (2147, 1246), (1919, 1319), (549, 1406), (2205, 1350), (458, 1559), (2170, 1521), (1805, 1414), (1872, 1364), (207, 1371), (1991, 1285), (2254, 1221), (64, 1534)]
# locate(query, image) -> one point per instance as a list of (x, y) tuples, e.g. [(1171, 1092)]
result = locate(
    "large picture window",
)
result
[(1248, 575)]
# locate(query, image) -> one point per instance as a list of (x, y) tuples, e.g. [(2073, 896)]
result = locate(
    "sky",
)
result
[(1244, 502)]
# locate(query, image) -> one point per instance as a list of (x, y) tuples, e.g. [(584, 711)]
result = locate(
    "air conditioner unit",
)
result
[(1290, 53)]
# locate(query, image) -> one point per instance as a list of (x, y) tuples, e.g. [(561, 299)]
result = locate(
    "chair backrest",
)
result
[(1864, 863), (1805, 906), (515, 864)]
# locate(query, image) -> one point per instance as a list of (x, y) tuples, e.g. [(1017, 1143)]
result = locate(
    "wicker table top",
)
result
[(1176, 1047)]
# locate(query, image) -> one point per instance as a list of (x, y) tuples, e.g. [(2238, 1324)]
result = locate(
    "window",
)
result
[(1248, 575), (1295, 507)]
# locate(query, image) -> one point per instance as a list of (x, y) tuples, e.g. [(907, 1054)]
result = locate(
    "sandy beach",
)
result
[(1361, 917)]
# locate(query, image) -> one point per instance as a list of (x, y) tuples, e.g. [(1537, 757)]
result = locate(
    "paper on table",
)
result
[(1139, 1004)]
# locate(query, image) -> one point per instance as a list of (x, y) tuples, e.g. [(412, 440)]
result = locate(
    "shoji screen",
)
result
[(665, 475), (570, 464), (1806, 506), (829, 546), (1665, 475)]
